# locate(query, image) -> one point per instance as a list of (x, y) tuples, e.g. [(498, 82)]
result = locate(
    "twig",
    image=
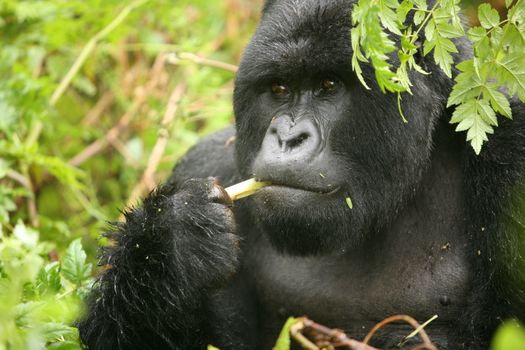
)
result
[(405, 318), (160, 145), (338, 337), (121, 148), (25, 181), (86, 51), (329, 338), (295, 332), (90, 46), (21, 179), (113, 133), (175, 58), (147, 181), (102, 104), (31, 203), (417, 330)]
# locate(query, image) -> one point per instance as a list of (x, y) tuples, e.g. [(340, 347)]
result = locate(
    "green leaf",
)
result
[(420, 4), (283, 342), (511, 72), (48, 279), (447, 30), (488, 17), (24, 312), (429, 30), (53, 330), (27, 236), (517, 12), (498, 101), (510, 336), (475, 34), (477, 118), (74, 265), (442, 49), (403, 10), (419, 16)]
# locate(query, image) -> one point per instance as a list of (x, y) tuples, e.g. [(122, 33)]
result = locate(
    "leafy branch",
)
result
[(498, 57)]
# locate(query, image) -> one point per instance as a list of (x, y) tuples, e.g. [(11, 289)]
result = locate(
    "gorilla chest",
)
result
[(406, 275)]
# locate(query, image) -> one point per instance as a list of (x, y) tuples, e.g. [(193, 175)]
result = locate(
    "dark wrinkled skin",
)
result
[(433, 228)]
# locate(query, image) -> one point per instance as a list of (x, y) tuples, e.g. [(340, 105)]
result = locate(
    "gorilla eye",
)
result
[(328, 85), (280, 90)]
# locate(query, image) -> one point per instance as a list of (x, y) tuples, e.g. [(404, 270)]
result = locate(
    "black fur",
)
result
[(434, 229)]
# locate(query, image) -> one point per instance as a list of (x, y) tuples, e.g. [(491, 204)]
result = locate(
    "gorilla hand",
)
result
[(168, 256)]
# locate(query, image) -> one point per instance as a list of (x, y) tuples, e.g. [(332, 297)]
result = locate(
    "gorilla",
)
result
[(432, 229)]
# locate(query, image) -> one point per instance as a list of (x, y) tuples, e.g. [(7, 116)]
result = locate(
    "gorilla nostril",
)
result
[(296, 142)]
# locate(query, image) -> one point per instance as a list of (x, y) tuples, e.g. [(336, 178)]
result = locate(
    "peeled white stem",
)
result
[(245, 188)]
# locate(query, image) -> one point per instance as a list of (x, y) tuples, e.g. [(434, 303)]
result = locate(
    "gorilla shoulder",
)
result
[(212, 156)]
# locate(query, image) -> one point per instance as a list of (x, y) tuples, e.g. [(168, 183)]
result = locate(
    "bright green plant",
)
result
[(510, 336), (59, 62), (498, 55), (39, 298)]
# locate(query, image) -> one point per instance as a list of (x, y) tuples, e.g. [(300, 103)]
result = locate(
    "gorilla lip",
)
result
[(325, 191)]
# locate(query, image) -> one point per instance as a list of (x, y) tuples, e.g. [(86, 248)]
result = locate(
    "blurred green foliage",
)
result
[(510, 336), (71, 159)]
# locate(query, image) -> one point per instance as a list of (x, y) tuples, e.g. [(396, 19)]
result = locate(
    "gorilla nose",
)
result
[(290, 140)]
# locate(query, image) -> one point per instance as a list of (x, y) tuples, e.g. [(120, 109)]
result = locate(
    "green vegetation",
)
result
[(498, 61), (98, 99)]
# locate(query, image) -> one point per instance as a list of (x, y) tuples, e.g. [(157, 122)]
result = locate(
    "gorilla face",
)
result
[(306, 124)]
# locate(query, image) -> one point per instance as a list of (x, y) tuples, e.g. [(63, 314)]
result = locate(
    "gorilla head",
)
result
[(306, 124)]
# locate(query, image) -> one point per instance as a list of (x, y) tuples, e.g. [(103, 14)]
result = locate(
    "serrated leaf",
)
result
[(447, 30), (498, 101), (389, 18), (468, 84), (48, 279), (429, 30), (442, 49), (477, 118), (511, 72), (403, 10), (24, 312), (419, 16), (488, 17), (475, 34), (517, 12), (74, 267), (486, 112), (421, 4)]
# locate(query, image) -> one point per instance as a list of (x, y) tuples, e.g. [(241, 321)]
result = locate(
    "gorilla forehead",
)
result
[(301, 36)]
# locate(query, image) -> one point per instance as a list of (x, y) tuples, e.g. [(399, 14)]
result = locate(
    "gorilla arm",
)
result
[(495, 187), (167, 258)]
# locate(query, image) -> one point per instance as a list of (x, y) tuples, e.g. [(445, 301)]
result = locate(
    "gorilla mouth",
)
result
[(330, 190)]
